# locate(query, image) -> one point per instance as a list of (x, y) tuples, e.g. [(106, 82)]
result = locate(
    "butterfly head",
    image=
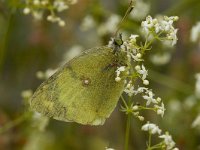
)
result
[(116, 43)]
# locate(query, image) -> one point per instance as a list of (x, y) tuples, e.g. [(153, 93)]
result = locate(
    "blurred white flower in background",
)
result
[(190, 102), (110, 148), (87, 23), (140, 11), (197, 86), (196, 122), (40, 121), (174, 106), (195, 32), (110, 26), (60, 5), (72, 52), (38, 7), (160, 59), (160, 25), (26, 94), (45, 75)]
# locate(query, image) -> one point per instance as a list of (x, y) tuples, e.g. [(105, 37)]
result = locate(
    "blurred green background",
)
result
[(28, 46)]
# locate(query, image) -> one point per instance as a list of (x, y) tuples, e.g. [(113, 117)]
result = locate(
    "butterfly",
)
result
[(83, 90)]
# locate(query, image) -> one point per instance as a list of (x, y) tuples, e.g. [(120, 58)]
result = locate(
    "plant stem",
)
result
[(128, 125), (14, 123), (6, 38)]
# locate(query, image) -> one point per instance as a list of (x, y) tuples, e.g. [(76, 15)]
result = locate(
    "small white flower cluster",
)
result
[(118, 72), (167, 142), (37, 8), (148, 95), (134, 54), (46, 74), (132, 49), (142, 73), (162, 27), (195, 32), (152, 128)]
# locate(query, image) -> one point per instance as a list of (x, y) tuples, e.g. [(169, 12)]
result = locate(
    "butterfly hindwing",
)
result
[(84, 90)]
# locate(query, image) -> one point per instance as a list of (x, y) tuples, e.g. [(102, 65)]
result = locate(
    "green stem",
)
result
[(128, 125), (5, 40), (14, 123)]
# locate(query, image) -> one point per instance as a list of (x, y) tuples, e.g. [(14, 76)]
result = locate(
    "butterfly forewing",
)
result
[(84, 90)]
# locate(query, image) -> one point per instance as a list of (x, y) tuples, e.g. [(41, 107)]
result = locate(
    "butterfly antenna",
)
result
[(130, 8)]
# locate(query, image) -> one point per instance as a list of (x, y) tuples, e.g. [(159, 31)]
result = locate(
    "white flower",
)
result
[(109, 26), (168, 140), (27, 94), (135, 107), (117, 79), (149, 98), (129, 90), (195, 32), (137, 68), (145, 82), (173, 37), (136, 58), (141, 118), (160, 109), (50, 72), (36, 2), (133, 38), (26, 10), (137, 14), (196, 122), (148, 24), (46, 74), (162, 25), (160, 59), (197, 86), (73, 1), (118, 72), (61, 23), (143, 72), (40, 75), (152, 128), (60, 5), (40, 121), (110, 148), (72, 52), (37, 15), (87, 23), (38, 7)]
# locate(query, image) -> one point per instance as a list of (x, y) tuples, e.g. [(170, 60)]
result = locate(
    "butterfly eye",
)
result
[(118, 40)]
